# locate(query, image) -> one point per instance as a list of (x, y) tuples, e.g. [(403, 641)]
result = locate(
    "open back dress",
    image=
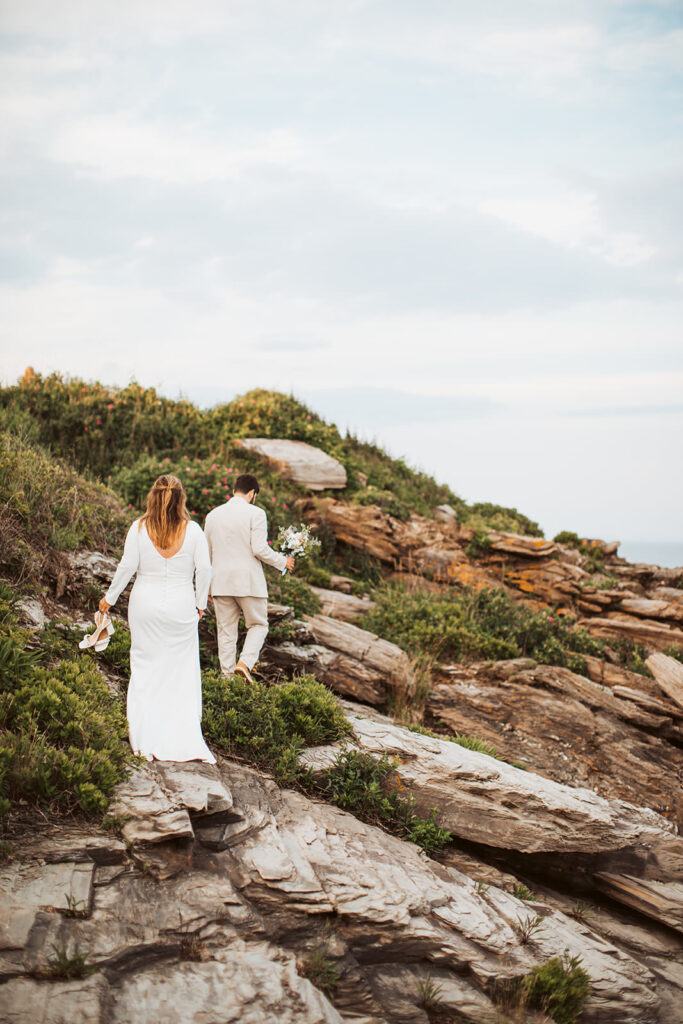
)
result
[(164, 704)]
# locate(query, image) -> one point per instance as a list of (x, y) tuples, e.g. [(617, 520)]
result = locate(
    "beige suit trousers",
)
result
[(228, 611)]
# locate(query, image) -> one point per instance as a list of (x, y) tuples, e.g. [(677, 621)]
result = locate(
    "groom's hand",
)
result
[(290, 563)]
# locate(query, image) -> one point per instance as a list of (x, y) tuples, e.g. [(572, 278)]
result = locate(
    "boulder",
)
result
[(297, 461), (350, 660), (29, 888)]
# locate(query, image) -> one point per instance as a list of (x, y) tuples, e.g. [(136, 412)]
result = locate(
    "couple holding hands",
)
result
[(178, 565)]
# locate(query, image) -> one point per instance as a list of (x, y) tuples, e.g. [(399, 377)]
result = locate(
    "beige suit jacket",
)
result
[(237, 533)]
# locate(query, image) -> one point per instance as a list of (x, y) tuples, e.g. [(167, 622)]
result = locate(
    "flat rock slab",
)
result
[(27, 889), (662, 901), (247, 989), (337, 605), (485, 800), (669, 675), (86, 1001), (297, 461), (516, 544)]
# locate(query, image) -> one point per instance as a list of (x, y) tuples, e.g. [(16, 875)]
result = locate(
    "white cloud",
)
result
[(573, 220), (120, 146)]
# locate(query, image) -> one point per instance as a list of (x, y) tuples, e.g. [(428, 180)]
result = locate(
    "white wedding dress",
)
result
[(165, 690)]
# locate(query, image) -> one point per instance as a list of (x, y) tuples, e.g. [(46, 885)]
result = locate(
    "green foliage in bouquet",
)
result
[(475, 624)]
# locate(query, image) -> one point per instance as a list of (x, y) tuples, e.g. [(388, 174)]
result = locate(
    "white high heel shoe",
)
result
[(103, 633)]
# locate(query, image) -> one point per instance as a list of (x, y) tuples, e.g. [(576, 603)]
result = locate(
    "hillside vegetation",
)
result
[(121, 435)]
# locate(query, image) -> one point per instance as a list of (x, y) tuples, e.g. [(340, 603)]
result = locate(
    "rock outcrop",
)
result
[(350, 660), (226, 932)]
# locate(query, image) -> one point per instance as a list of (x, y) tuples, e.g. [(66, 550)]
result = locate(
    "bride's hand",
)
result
[(104, 606), (200, 612)]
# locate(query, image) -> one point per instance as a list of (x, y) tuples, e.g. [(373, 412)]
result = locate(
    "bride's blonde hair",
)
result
[(166, 511)]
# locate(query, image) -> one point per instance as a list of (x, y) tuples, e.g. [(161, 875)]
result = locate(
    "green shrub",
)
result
[(497, 517), (559, 988), (372, 790), (469, 624), (46, 507), (479, 545), (291, 590), (674, 652), (61, 737), (108, 430), (270, 726), (568, 538), (209, 482)]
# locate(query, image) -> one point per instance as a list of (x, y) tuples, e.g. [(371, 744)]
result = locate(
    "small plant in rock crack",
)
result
[(191, 947), (68, 965), (580, 911), (320, 970), (522, 893), (429, 993), (529, 928), (74, 907), (481, 888)]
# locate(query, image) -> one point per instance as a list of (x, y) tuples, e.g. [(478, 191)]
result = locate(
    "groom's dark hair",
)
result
[(245, 483)]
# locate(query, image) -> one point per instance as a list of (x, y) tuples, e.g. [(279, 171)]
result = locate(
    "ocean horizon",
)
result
[(668, 554)]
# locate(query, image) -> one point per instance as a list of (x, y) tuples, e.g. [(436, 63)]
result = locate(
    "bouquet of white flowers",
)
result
[(296, 540)]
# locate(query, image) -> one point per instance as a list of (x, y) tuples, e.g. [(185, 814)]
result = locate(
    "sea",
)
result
[(654, 552)]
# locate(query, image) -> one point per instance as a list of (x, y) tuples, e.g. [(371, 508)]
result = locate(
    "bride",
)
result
[(166, 550)]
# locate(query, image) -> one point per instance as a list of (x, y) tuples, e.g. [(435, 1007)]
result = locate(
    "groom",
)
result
[(237, 533)]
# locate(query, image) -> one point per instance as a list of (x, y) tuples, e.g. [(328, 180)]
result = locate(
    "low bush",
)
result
[(46, 508), (270, 726), (559, 988), (209, 482), (373, 791), (293, 591), (61, 735), (497, 517), (474, 624)]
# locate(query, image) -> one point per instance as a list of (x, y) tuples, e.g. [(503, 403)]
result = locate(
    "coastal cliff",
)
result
[(453, 794)]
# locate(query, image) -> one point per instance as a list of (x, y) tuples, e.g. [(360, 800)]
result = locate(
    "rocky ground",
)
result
[(219, 897)]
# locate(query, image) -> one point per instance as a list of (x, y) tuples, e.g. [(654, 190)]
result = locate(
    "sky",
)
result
[(452, 228)]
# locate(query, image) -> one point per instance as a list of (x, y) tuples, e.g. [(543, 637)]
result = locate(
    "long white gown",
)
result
[(165, 691)]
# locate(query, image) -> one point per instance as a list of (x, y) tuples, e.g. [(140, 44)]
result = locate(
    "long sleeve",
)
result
[(127, 566), (202, 569), (259, 543)]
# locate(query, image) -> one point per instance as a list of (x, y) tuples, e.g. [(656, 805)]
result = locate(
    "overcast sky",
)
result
[(454, 227)]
